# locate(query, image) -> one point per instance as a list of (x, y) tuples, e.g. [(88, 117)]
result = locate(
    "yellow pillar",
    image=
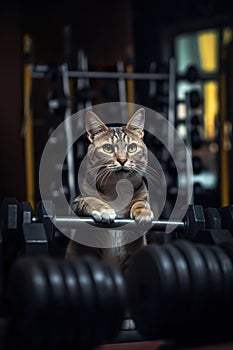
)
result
[(28, 122)]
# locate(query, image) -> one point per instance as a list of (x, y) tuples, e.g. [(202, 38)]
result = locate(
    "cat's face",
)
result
[(118, 149)]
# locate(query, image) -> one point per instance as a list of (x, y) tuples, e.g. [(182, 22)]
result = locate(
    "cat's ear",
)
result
[(137, 121), (94, 125)]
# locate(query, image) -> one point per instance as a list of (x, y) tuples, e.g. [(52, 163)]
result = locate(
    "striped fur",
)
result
[(114, 154)]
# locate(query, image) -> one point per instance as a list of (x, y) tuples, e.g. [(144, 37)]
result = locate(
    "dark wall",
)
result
[(103, 29), (11, 142)]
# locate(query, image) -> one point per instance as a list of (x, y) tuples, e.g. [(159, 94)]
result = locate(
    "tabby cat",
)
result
[(118, 153)]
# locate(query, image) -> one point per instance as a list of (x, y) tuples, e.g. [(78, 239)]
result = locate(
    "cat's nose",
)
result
[(121, 161)]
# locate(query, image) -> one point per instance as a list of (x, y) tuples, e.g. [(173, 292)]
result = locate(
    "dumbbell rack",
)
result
[(47, 288)]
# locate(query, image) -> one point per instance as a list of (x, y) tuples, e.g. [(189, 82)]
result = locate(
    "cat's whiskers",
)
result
[(151, 171), (105, 178), (152, 177), (93, 168)]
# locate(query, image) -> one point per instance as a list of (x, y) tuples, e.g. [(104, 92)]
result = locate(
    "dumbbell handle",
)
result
[(155, 225)]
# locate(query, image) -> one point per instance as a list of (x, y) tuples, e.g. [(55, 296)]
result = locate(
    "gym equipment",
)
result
[(213, 218), (226, 214), (195, 120), (11, 234), (213, 236), (33, 234), (20, 236), (196, 219), (194, 98), (195, 139), (197, 164), (193, 222), (53, 72), (182, 291), (64, 304), (192, 74)]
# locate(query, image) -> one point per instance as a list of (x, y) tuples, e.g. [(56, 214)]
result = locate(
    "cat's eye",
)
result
[(108, 148), (132, 148)]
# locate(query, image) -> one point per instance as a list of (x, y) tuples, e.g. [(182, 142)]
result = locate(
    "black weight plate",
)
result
[(214, 283), (182, 289), (228, 248), (213, 218), (117, 283), (11, 239), (102, 299), (86, 319), (73, 298), (26, 212), (151, 281), (227, 270), (215, 276), (226, 214), (199, 274), (28, 293), (57, 328)]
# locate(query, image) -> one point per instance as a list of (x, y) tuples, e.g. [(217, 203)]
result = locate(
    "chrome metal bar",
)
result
[(40, 71), (159, 225)]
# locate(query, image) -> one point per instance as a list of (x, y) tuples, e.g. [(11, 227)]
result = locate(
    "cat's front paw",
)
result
[(105, 215), (142, 216)]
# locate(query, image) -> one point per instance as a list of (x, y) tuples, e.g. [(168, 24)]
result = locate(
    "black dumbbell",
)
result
[(196, 141), (193, 222), (226, 214), (213, 233), (64, 304), (197, 164), (182, 291), (195, 120), (192, 74), (196, 219), (19, 235), (194, 98)]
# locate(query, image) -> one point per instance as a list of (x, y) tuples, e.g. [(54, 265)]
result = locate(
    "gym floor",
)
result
[(156, 345)]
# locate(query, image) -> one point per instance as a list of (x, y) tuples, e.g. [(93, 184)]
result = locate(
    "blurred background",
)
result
[(184, 47)]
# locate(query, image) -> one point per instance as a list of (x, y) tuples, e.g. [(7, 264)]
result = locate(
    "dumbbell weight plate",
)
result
[(57, 327), (192, 74), (73, 297), (213, 218), (195, 139), (195, 221), (195, 98), (118, 297), (26, 212), (198, 274), (226, 214), (28, 293), (197, 165), (215, 277), (60, 307), (11, 238), (151, 284), (183, 290), (228, 249), (214, 281), (213, 236), (103, 295), (86, 319), (227, 270)]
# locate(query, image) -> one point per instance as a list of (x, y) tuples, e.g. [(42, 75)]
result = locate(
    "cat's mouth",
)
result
[(122, 169)]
